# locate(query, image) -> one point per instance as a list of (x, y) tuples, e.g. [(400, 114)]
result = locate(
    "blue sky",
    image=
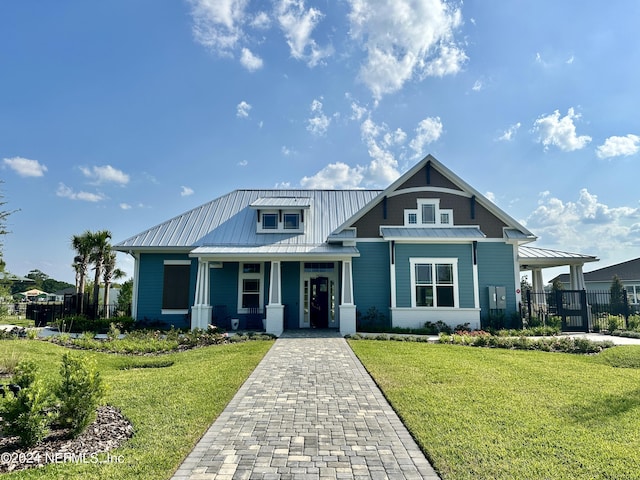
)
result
[(119, 115)]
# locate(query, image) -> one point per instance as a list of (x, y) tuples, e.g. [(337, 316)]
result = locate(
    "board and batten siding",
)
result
[(496, 268), (464, 254), (371, 281), (223, 283), (150, 284)]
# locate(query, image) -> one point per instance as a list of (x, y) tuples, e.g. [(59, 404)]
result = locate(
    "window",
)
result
[(269, 221), (250, 287), (428, 213), (291, 221), (412, 218), (444, 218), (175, 285), (434, 282)]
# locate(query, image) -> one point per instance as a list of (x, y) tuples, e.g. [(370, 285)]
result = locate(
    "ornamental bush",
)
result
[(27, 415), (80, 391)]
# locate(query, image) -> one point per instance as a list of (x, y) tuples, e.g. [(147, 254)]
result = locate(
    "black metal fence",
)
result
[(43, 313), (577, 310)]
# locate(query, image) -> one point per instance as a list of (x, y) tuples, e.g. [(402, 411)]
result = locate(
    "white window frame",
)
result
[(439, 213), (174, 311), (250, 276), (433, 205), (269, 214), (280, 223), (413, 261), (284, 221)]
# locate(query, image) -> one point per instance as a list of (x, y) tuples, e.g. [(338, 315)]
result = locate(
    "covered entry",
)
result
[(571, 305), (319, 288)]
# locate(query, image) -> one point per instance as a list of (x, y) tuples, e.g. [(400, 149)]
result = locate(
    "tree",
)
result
[(617, 300), (82, 244), (126, 296), (100, 248), (111, 272)]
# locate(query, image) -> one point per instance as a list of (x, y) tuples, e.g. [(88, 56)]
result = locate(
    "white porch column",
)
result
[(347, 307), (201, 310), (275, 309), (576, 277), (539, 300)]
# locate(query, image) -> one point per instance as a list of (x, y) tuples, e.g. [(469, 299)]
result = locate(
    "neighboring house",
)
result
[(600, 280), (428, 248)]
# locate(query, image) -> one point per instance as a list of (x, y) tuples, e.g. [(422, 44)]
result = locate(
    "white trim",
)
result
[(392, 273), (280, 224), (174, 311), (136, 283), (413, 261), (177, 262), (250, 276), (429, 189), (305, 321), (416, 317)]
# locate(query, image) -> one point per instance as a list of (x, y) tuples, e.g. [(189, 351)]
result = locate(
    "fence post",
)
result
[(529, 306), (625, 307)]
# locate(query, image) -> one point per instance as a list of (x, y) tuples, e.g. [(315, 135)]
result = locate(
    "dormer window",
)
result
[(291, 221), (412, 218), (281, 214), (428, 213), (269, 221)]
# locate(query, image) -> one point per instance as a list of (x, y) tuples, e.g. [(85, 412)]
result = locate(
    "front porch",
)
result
[(274, 294)]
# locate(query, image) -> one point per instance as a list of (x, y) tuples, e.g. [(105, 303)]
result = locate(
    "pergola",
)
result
[(536, 259)]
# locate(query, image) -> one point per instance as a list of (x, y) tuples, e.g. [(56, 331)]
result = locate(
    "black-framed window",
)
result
[(291, 221), (175, 286), (269, 221)]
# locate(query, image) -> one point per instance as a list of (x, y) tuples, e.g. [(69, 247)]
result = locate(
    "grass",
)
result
[(170, 404), (15, 320), (483, 413)]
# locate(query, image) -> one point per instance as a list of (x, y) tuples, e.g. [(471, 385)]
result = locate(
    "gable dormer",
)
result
[(281, 214)]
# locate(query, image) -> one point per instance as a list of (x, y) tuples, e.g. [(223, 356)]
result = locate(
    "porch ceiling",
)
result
[(322, 250), (532, 257)]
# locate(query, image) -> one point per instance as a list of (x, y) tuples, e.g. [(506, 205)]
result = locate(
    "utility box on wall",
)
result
[(497, 298)]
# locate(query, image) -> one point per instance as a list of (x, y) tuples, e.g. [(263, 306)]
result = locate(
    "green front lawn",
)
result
[(170, 406), (482, 413)]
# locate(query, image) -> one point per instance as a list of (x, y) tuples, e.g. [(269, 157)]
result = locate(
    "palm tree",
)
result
[(82, 244), (100, 247), (109, 272)]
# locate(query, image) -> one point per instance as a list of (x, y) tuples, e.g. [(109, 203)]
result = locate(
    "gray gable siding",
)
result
[(495, 268), (371, 278), (462, 252), (368, 226), (151, 275)]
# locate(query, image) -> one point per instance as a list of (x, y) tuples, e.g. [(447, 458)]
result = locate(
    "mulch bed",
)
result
[(110, 430)]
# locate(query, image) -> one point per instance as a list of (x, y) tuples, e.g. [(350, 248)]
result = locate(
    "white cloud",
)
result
[(298, 24), (105, 174), (619, 146), (404, 39), (186, 191), (282, 185), (242, 109), (510, 132), (357, 111), (250, 61), (261, 21), (477, 86), (491, 196), (428, 131), (335, 176), (217, 24), (319, 123), (243, 163), (125, 206), (25, 167), (585, 225), (286, 151), (561, 132), (66, 192)]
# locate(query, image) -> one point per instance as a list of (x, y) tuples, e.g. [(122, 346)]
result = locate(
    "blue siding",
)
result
[(496, 268), (150, 280), (464, 254), (291, 293), (223, 283), (371, 281)]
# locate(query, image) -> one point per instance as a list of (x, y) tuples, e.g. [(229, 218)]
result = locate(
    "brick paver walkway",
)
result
[(308, 411)]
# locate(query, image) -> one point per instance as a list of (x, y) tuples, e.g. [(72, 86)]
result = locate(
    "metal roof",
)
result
[(231, 221), (282, 202), (541, 257), (275, 250), (466, 233), (628, 271)]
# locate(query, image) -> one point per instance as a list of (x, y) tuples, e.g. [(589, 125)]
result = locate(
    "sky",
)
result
[(120, 115)]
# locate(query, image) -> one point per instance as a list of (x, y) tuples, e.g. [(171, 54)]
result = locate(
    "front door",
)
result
[(319, 302)]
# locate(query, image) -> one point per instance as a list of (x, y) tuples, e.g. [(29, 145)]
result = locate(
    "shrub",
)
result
[(9, 363), (80, 391), (25, 373), (26, 415), (633, 323)]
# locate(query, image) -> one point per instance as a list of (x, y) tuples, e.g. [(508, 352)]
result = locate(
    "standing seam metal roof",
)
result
[(231, 221)]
